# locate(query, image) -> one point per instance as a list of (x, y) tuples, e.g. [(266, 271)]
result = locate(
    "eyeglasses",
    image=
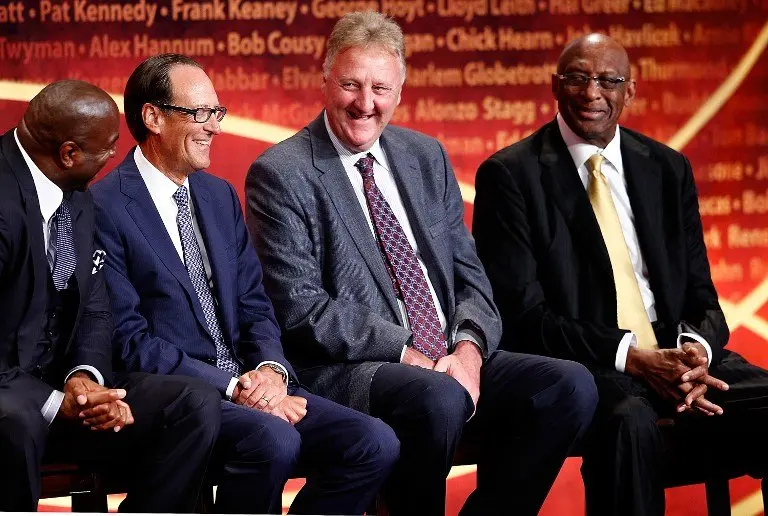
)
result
[(581, 80), (201, 114)]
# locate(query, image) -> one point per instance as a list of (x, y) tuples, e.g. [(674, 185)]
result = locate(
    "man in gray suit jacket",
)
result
[(383, 302)]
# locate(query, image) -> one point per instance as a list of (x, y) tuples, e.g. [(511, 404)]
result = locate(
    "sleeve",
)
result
[(475, 309), (502, 227), (322, 323), (138, 348), (701, 313)]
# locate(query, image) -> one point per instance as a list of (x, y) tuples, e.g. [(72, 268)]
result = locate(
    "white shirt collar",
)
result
[(348, 157), (580, 150), (48, 194), (159, 185)]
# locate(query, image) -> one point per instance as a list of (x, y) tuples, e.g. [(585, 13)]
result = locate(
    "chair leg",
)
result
[(718, 497), (90, 501), (764, 486)]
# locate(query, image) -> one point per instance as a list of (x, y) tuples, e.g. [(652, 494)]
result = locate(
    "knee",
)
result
[(573, 394), (378, 446), (280, 449), (443, 405), (199, 402), (22, 429)]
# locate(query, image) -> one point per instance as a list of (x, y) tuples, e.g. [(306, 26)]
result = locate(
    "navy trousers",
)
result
[(531, 411), (344, 454)]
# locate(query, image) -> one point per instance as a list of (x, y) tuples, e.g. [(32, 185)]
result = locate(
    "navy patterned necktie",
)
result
[(194, 263), (408, 279), (61, 246)]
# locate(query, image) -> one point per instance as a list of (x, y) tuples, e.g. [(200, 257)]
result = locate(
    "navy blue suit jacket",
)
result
[(159, 323), (24, 283)]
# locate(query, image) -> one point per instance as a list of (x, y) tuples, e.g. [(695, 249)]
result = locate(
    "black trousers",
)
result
[(627, 455), (531, 411), (162, 456)]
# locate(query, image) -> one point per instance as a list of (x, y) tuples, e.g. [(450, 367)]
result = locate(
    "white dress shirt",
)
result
[(161, 190), (50, 196), (385, 181), (613, 170)]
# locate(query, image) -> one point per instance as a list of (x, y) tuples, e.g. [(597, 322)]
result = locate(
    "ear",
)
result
[(152, 117), (555, 84), (70, 154)]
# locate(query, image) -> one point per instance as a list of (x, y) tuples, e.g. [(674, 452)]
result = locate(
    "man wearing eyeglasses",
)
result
[(187, 298), (591, 236)]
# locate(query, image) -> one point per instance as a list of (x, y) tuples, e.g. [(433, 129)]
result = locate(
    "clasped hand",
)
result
[(679, 375), (463, 365), (264, 389), (96, 406)]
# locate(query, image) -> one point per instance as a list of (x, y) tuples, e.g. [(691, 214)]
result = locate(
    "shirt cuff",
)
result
[(698, 338), (278, 365), (52, 406), (231, 388), (95, 372), (629, 339), (402, 353)]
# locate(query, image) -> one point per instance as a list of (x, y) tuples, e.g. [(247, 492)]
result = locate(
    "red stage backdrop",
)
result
[(478, 80)]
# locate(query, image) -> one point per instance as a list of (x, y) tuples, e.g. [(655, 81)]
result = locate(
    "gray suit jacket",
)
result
[(322, 267)]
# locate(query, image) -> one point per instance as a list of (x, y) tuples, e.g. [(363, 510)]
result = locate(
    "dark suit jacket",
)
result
[(324, 272), (159, 323), (541, 245), (24, 283)]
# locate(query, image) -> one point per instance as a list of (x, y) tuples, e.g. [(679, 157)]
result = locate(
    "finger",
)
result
[(277, 398), (96, 411), (705, 412), (255, 399), (713, 382), (102, 422), (697, 392), (442, 365), (105, 396), (694, 374), (705, 404), (245, 380)]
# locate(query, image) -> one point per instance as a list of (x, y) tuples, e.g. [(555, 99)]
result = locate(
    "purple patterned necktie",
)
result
[(403, 266)]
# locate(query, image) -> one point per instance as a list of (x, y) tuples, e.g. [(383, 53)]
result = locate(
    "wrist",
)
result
[(635, 361)]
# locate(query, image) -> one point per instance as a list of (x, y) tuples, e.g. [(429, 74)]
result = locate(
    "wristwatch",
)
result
[(277, 369)]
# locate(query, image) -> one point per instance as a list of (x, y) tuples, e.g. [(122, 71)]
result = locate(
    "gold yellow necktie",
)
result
[(629, 303)]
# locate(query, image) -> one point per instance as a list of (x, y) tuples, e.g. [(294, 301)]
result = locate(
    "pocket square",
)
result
[(99, 257)]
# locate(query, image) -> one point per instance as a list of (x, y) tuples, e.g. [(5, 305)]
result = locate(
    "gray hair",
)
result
[(365, 29)]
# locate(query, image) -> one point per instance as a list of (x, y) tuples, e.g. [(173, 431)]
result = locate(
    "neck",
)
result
[(155, 157)]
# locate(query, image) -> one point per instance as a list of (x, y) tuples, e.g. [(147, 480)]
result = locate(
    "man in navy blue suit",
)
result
[(58, 394), (187, 298)]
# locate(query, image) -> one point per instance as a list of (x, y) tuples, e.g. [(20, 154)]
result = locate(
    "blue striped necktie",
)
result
[(194, 262), (61, 248)]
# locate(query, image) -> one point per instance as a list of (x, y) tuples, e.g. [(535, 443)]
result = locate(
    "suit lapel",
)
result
[(410, 184), (644, 187), (561, 179), (339, 189), (216, 248), (144, 213)]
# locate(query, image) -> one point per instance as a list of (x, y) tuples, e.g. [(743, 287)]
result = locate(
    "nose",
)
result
[(213, 125), (592, 90), (364, 100)]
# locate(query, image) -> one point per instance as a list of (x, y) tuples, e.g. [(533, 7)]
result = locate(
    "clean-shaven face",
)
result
[(186, 143), (361, 93)]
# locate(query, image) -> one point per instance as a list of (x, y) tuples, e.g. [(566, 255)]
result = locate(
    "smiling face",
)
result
[(183, 145), (592, 112), (361, 93)]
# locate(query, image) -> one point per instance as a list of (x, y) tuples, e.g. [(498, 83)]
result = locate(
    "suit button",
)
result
[(37, 368), (49, 333)]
